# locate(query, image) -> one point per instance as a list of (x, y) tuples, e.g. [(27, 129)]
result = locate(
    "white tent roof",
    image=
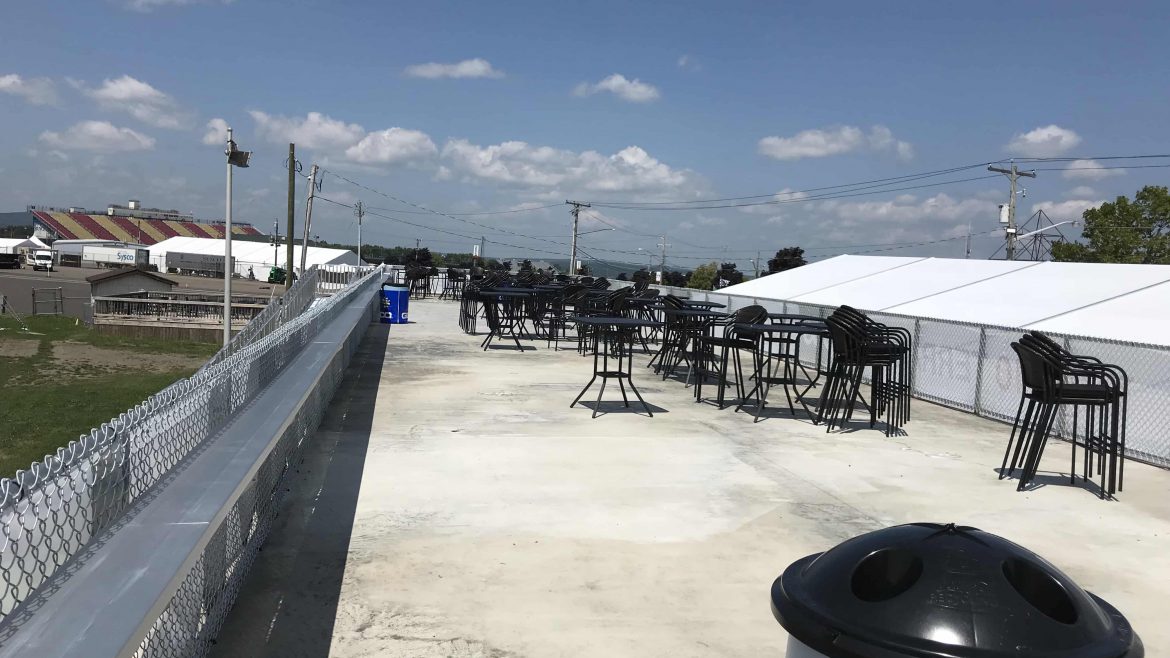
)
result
[(1121, 302), (246, 254), (10, 245)]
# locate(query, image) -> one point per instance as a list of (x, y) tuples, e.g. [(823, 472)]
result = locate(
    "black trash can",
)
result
[(929, 590)]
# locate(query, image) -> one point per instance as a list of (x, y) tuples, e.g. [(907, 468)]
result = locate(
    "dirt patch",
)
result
[(67, 354), (20, 349)]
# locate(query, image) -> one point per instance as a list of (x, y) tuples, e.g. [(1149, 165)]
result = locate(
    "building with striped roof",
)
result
[(127, 224)]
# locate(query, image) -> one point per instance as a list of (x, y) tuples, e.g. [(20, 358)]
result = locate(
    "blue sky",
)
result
[(474, 106)]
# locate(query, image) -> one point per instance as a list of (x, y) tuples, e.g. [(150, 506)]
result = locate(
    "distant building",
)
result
[(127, 224), (128, 280)]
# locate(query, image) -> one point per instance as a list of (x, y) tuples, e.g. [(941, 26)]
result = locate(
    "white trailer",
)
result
[(180, 262), (114, 257)]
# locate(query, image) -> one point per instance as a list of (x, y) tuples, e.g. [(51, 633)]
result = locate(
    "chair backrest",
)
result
[(601, 283), (649, 293), (754, 314), (671, 301), (641, 286), (615, 302), (1036, 370)]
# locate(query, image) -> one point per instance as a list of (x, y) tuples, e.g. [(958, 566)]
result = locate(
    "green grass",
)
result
[(60, 328), (45, 404)]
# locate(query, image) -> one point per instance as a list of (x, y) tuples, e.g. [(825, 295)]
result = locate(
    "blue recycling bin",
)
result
[(395, 304)]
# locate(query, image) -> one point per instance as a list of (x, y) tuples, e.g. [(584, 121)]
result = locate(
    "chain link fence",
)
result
[(51, 511), (972, 367)]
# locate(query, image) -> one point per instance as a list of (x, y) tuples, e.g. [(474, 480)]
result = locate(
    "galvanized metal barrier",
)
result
[(59, 506)]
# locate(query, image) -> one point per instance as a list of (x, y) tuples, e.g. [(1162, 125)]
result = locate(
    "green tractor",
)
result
[(276, 275)]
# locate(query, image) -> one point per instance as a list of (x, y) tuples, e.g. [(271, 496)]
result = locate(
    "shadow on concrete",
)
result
[(289, 601)]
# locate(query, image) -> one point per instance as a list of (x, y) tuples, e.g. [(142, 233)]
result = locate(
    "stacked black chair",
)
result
[(673, 344), (860, 343), (1052, 377), (731, 344), (453, 286)]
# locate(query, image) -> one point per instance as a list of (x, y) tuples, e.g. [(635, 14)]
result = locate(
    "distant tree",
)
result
[(641, 275), (676, 279), (583, 270), (1123, 231), (704, 277), (421, 257), (622, 276), (525, 265), (497, 266), (786, 259), (729, 274)]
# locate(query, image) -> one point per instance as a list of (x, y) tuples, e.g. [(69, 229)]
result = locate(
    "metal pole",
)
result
[(573, 254), (1013, 175), (292, 187), (227, 250), (308, 216), (361, 211)]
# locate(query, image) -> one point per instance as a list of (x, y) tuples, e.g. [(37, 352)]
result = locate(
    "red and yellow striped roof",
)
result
[(79, 226)]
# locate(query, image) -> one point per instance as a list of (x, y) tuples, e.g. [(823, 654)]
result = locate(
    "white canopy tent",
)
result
[(255, 255), (12, 245), (1117, 302)]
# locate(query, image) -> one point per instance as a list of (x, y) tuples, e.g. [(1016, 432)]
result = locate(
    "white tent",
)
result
[(1119, 302), (255, 255), (11, 245)]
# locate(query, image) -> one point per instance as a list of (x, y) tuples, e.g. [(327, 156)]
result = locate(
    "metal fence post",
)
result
[(981, 363), (915, 349)]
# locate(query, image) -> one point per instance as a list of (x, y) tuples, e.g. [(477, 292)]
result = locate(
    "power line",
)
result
[(807, 199), (894, 179)]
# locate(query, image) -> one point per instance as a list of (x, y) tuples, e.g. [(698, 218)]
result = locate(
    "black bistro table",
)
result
[(707, 305), (616, 336), (780, 368)]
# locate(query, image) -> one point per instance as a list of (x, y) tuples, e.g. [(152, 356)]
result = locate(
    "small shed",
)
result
[(128, 280)]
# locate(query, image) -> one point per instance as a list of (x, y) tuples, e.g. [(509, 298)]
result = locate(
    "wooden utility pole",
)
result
[(577, 206), (292, 203), (360, 211), (1013, 175)]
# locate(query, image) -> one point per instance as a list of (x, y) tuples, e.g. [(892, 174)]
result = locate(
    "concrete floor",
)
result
[(453, 504)]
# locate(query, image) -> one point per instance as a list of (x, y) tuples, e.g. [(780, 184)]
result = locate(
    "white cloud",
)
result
[(468, 68), (518, 163), (634, 91), (140, 100), (150, 5), (688, 63), (1059, 211), (820, 143), (907, 208), (392, 146), (35, 91), (783, 197), (98, 136), (216, 132), (1043, 142), (1089, 170), (315, 131), (1081, 192)]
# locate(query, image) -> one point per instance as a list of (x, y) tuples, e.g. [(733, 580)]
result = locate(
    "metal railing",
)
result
[(107, 309), (51, 511), (971, 366)]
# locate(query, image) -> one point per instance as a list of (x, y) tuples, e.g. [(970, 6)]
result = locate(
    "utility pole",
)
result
[(1013, 175), (482, 242), (227, 247), (360, 211), (967, 253), (292, 203), (417, 244), (577, 205), (308, 216), (275, 242), (662, 267), (235, 158)]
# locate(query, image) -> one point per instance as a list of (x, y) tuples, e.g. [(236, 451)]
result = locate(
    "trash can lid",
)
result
[(928, 589)]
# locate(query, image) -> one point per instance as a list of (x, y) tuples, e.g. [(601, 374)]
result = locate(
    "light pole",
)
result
[(234, 159)]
